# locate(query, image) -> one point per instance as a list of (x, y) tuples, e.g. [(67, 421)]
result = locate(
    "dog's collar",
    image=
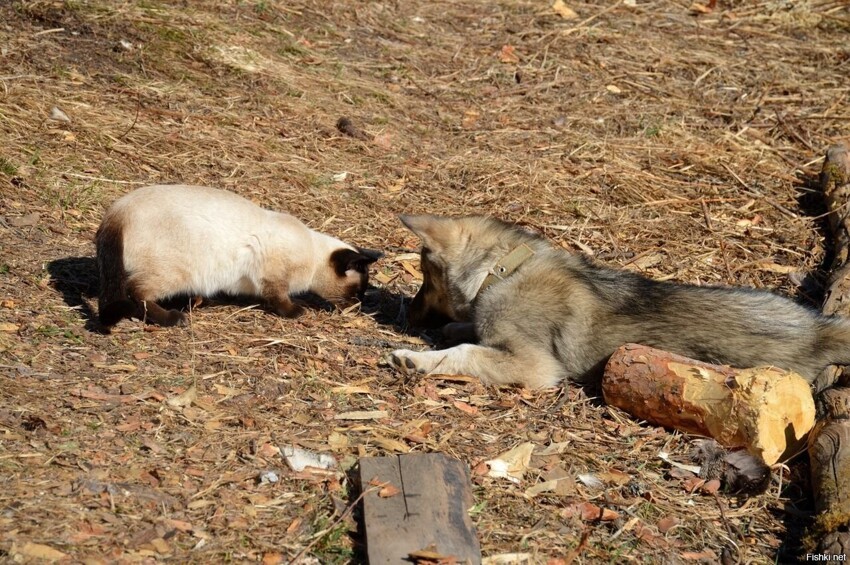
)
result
[(505, 266)]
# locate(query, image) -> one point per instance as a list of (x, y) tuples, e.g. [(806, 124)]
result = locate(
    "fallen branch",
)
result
[(765, 410), (829, 442)]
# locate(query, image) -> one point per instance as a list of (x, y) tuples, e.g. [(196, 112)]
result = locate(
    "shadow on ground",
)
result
[(76, 279)]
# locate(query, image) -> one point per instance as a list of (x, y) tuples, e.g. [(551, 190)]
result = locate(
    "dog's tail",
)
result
[(834, 340), (113, 302)]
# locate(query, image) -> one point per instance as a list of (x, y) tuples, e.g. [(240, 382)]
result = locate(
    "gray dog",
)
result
[(541, 314)]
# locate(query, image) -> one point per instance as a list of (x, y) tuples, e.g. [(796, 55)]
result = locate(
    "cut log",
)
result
[(835, 184), (419, 506), (829, 442), (765, 410)]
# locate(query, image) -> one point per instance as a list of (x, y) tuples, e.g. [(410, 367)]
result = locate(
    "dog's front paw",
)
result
[(403, 360)]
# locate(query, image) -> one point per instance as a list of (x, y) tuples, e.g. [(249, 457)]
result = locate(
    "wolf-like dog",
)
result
[(542, 315)]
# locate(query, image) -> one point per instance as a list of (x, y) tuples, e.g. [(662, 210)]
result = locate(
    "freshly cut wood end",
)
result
[(765, 410)]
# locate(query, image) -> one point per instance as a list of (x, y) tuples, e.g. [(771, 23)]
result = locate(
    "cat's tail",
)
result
[(114, 303)]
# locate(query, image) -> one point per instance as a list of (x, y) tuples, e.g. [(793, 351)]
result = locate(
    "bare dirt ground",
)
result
[(651, 134)]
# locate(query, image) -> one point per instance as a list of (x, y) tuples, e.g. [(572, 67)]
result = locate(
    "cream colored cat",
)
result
[(170, 240)]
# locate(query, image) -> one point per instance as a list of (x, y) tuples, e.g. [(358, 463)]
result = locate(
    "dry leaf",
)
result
[(511, 464), (700, 8), (554, 448), (564, 11), (39, 551), (212, 425), (161, 546), (693, 483), (464, 407), (385, 279), (711, 486), (185, 399), (507, 55), (337, 441), (268, 450), (554, 486), (179, 525), (648, 536), (384, 140), (775, 267), (588, 512), (294, 525), (273, 557), (705, 554), (8, 327), (388, 491), (614, 477), (226, 390), (392, 445), (24, 221), (414, 272), (667, 523), (677, 473)]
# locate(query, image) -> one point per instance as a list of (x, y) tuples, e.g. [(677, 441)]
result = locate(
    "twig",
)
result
[(342, 517), (46, 31), (571, 556), (756, 193), (584, 23), (89, 177), (732, 535), (135, 118)]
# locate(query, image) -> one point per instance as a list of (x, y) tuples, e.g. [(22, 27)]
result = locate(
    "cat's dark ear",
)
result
[(344, 260), (371, 254)]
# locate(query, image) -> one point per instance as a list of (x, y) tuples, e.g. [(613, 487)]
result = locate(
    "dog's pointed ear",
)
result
[(432, 230)]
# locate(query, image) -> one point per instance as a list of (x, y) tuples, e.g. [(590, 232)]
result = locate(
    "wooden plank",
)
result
[(430, 510)]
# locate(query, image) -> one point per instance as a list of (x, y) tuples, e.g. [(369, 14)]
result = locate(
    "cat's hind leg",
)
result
[(276, 295), (148, 310)]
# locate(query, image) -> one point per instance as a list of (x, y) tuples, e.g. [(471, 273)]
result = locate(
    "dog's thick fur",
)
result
[(560, 316), (168, 240)]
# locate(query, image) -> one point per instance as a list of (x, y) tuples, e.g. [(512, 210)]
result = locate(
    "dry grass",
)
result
[(654, 137)]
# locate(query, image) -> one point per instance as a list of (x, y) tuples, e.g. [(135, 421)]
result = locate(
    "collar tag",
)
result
[(505, 266)]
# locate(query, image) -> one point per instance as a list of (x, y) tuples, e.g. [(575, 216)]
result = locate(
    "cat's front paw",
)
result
[(404, 361)]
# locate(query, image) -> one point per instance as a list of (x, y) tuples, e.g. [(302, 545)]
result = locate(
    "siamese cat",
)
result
[(163, 241)]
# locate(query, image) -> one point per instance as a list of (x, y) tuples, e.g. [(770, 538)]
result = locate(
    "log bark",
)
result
[(829, 442), (765, 410)]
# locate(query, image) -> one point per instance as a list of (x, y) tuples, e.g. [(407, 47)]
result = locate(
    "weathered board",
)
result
[(429, 511)]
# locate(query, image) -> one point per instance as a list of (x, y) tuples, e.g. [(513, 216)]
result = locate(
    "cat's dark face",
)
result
[(349, 274)]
